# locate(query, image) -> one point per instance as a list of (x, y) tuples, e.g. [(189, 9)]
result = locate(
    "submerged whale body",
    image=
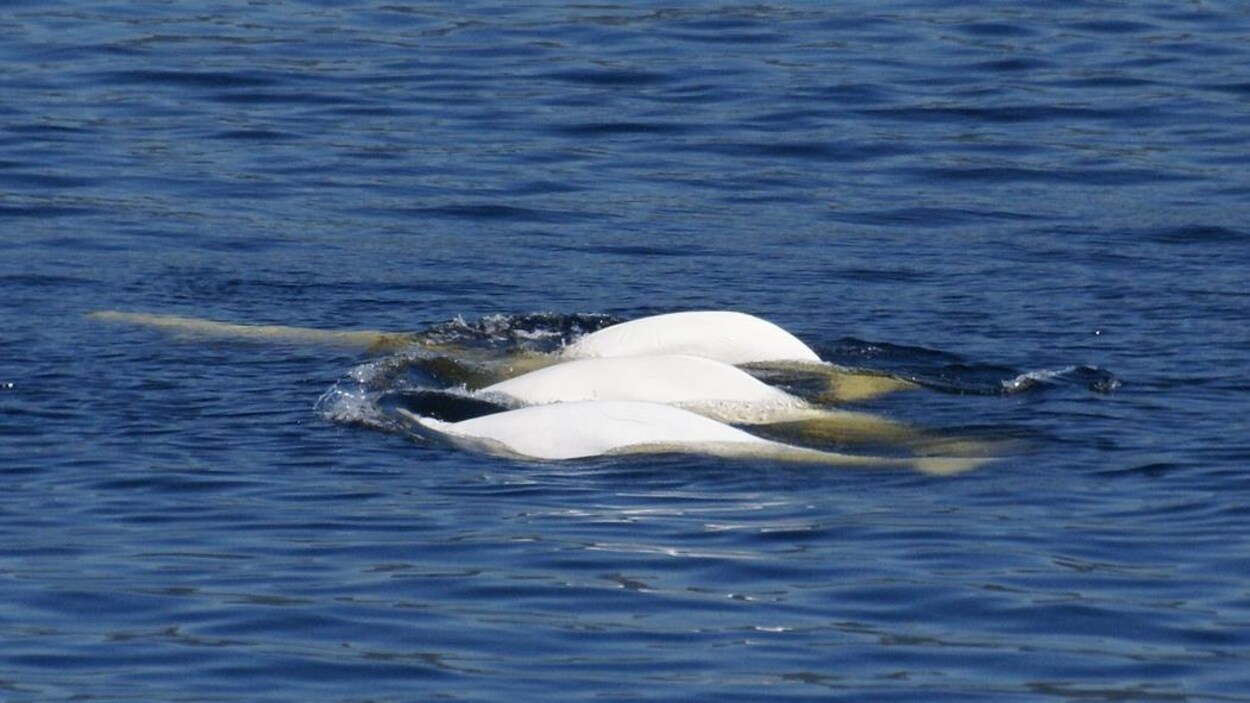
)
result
[(724, 335)]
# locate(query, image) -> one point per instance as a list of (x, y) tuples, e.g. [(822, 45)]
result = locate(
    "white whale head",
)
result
[(731, 337)]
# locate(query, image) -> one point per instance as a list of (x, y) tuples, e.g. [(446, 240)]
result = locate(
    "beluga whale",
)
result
[(728, 336), (597, 428), (724, 335)]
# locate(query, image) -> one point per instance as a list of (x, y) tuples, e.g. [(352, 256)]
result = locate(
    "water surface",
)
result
[(996, 198)]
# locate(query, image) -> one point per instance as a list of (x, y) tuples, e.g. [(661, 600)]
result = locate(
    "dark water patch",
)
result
[(1012, 65), (726, 36), (642, 250), (834, 152), (1197, 235), (846, 94), (1102, 81), (544, 187), (43, 181), (1100, 177), (799, 117), (1241, 89), (373, 153), (609, 78), (236, 244), (609, 129), (217, 80), (926, 217), (175, 484), (83, 242), (483, 212), (1010, 114), (42, 281), (51, 130), (996, 29), (46, 211), (255, 135), (251, 97), (898, 275), (1109, 26), (370, 111)]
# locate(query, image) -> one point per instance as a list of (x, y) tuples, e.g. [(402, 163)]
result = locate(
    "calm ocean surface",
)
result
[(1026, 205)]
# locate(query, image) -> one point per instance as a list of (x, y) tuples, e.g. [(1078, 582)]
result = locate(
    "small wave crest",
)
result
[(432, 377), (354, 399), (988, 379), (533, 332), (344, 404), (1094, 378)]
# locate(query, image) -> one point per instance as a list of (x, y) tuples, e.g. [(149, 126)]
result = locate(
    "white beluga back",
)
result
[(731, 337), (584, 429), (580, 430), (674, 379)]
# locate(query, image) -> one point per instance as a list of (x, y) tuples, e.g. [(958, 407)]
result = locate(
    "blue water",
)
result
[(978, 195)]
